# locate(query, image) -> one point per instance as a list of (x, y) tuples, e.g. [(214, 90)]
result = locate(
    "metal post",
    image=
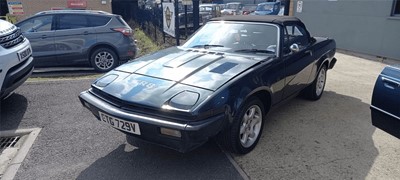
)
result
[(196, 16), (186, 22), (177, 22), (162, 21)]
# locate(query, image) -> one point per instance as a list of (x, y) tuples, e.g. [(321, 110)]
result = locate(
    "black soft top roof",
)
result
[(263, 19)]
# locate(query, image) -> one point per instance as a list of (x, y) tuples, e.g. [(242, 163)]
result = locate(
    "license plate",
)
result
[(22, 55), (130, 127)]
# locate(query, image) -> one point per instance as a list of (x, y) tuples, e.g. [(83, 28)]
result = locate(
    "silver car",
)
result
[(79, 37)]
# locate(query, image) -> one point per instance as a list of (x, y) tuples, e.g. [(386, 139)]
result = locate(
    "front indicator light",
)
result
[(171, 132), (87, 105)]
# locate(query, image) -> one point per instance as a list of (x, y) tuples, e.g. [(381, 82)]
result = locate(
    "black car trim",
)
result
[(16, 77), (385, 77), (383, 111), (179, 117), (140, 118)]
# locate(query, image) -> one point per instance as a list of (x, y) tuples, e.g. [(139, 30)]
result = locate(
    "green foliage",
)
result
[(145, 44)]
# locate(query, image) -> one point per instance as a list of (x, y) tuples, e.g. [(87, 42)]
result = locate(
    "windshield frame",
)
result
[(278, 31)]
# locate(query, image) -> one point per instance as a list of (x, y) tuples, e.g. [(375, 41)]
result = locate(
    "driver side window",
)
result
[(295, 35), (38, 24)]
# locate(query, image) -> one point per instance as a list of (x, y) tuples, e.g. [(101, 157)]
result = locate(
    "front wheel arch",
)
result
[(230, 137)]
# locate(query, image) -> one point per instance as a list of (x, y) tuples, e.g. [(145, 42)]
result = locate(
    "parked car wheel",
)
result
[(246, 129), (316, 89), (104, 59)]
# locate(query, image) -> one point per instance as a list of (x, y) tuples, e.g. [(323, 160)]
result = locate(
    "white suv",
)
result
[(16, 62)]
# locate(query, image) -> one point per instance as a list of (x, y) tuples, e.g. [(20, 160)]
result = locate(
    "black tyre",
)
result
[(315, 90), (104, 59), (243, 135)]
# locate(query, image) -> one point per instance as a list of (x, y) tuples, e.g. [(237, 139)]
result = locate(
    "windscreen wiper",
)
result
[(206, 46), (255, 51)]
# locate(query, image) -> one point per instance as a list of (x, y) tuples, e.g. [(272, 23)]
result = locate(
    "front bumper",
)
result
[(16, 76), (194, 133)]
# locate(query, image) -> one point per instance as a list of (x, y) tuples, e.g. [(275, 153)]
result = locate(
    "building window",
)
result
[(396, 8)]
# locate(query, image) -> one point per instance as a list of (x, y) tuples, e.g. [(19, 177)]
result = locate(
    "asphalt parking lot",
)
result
[(328, 139)]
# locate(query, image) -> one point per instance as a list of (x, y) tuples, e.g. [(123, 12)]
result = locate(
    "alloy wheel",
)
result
[(250, 126)]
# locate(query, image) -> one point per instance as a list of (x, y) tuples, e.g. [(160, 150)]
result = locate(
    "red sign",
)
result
[(76, 4)]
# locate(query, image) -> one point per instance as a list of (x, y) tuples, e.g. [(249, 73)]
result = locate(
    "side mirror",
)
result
[(31, 30), (294, 48)]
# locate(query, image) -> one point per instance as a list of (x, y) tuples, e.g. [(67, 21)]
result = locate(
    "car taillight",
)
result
[(124, 31)]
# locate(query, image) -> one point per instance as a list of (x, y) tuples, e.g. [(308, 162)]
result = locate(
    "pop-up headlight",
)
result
[(106, 80), (182, 101)]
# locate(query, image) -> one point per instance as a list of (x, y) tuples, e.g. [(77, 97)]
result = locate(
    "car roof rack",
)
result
[(72, 11)]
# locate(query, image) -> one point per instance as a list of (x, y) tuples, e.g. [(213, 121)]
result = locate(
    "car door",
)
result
[(298, 64), (73, 37), (385, 104), (40, 32)]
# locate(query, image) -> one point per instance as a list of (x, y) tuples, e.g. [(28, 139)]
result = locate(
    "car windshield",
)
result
[(265, 7), (257, 38)]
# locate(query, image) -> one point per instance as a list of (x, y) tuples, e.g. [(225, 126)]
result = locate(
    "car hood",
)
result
[(6, 27), (154, 79)]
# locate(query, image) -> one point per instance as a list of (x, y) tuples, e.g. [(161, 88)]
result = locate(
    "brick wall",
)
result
[(32, 7)]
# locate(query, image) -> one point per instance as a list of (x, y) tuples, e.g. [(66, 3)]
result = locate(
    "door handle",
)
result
[(44, 36), (390, 83), (85, 33), (309, 52)]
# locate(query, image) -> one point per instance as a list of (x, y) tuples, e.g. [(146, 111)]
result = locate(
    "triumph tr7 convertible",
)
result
[(221, 83)]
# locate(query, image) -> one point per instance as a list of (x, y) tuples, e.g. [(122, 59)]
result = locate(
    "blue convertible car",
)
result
[(221, 82), (385, 104)]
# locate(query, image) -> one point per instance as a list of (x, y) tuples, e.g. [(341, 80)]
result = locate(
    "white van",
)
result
[(16, 61)]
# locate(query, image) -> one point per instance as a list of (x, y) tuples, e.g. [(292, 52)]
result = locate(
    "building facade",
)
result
[(31, 7), (369, 27)]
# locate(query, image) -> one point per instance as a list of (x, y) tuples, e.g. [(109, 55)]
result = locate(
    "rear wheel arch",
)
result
[(315, 90), (324, 60)]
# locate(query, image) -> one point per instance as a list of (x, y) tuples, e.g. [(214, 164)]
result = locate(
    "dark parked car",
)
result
[(385, 104), (79, 37), (219, 83), (209, 11)]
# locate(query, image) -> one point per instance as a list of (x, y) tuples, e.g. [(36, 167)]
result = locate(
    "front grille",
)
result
[(176, 117), (8, 142), (12, 39)]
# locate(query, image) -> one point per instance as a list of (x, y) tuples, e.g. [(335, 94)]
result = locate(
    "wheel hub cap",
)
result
[(321, 81), (104, 60), (250, 126)]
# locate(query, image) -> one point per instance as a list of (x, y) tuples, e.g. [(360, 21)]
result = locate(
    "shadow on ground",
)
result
[(329, 138), (151, 161), (12, 111), (52, 72)]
